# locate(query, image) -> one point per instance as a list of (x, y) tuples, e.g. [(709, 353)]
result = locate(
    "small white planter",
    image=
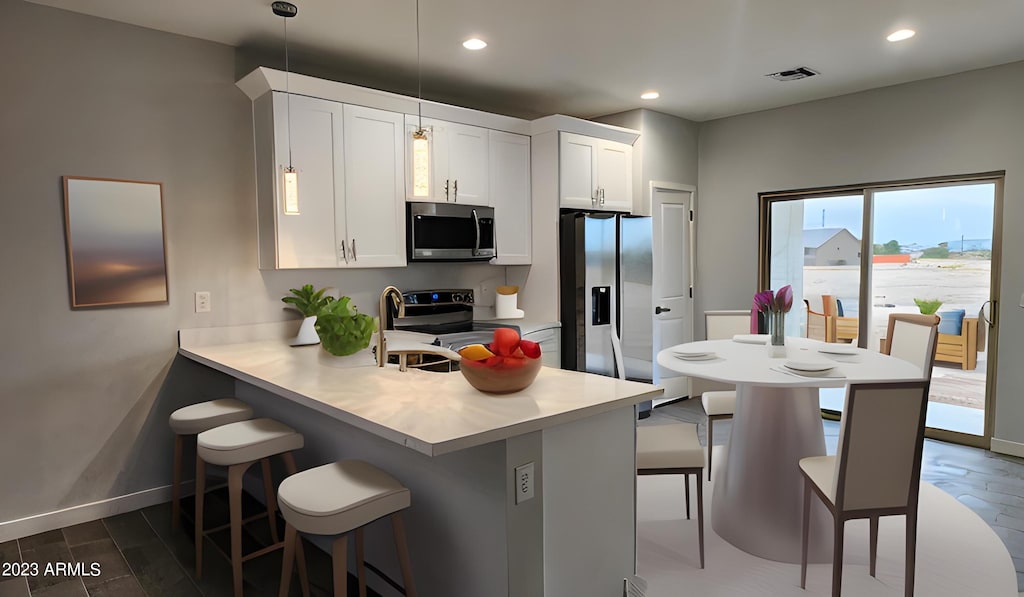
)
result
[(307, 333)]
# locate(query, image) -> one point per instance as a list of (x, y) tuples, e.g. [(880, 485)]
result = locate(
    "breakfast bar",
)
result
[(457, 449)]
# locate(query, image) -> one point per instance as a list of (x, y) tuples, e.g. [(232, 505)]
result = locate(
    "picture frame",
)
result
[(116, 247)]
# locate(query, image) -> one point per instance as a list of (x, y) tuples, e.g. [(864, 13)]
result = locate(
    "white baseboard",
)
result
[(1007, 447), (49, 521)]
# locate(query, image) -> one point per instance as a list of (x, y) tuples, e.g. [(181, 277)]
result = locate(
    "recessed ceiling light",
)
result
[(650, 95), (901, 35), (474, 44)]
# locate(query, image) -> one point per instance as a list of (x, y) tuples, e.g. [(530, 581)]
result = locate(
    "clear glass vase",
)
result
[(777, 327)]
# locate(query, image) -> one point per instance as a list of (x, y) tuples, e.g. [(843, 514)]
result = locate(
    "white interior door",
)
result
[(672, 260)]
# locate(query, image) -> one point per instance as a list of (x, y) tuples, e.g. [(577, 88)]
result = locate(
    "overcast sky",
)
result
[(924, 217)]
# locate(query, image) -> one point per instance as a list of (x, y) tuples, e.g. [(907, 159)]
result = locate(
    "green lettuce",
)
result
[(342, 329)]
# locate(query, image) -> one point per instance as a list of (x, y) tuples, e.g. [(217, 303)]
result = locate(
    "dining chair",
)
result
[(847, 328), (912, 337), (819, 325), (674, 449), (719, 399), (876, 471)]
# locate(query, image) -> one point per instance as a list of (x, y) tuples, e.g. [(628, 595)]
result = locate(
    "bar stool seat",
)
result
[(238, 446), (247, 441), (197, 418), (193, 420), (334, 499)]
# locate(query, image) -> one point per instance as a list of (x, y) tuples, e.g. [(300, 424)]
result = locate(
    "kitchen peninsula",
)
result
[(457, 450)]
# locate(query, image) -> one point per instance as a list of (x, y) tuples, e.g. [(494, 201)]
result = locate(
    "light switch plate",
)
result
[(203, 302), (524, 482)]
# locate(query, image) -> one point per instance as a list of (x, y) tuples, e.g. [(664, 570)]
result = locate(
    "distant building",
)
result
[(831, 246)]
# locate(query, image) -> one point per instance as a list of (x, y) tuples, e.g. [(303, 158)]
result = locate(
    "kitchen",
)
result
[(92, 383)]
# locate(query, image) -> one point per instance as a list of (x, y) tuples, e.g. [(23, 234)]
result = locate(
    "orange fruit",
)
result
[(475, 352)]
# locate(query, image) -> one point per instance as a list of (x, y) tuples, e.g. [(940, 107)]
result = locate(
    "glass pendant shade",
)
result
[(420, 164), (291, 191)]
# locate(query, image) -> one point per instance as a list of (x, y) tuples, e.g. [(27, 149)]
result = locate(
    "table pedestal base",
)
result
[(758, 494)]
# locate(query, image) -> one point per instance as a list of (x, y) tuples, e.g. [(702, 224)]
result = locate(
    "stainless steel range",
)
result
[(446, 314)]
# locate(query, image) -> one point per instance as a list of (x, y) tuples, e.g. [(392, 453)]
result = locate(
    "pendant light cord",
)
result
[(288, 93), (419, 71)]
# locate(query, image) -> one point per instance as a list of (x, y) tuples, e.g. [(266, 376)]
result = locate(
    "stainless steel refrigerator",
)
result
[(606, 271)]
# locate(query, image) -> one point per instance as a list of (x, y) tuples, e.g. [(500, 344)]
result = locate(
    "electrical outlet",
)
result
[(524, 482), (203, 302)]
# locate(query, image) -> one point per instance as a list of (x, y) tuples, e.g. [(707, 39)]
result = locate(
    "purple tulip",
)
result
[(763, 301), (784, 299)]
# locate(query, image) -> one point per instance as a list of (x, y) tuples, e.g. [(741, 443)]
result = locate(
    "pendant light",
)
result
[(420, 137), (290, 176)]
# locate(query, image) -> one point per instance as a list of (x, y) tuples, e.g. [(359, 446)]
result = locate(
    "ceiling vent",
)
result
[(800, 72)]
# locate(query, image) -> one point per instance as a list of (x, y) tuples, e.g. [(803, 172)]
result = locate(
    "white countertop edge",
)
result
[(414, 443)]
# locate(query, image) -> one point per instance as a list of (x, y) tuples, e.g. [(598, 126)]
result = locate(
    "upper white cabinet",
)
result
[(509, 190), (595, 173), (350, 184), (458, 162)]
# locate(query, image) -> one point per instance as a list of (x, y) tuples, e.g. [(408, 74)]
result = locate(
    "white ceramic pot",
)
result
[(307, 333)]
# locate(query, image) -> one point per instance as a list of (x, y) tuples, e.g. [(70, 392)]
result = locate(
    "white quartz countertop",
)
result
[(432, 413)]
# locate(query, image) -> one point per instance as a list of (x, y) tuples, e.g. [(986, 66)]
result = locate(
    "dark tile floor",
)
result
[(139, 555), (990, 484)]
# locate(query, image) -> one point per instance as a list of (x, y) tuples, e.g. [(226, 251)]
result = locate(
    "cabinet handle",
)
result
[(455, 188), (446, 189), (593, 198), (344, 253), (354, 256), (600, 192), (660, 310)]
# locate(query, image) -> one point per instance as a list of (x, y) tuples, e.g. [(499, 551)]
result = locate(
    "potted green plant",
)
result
[(928, 306), (309, 302), (343, 330)]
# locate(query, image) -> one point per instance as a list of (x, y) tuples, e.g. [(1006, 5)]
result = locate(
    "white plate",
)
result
[(751, 338), (690, 353), (703, 357), (808, 365), (839, 349)]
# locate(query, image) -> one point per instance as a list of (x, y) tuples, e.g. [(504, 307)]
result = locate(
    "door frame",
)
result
[(673, 387)]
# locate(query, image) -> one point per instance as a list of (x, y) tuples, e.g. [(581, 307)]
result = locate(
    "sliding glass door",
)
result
[(857, 254)]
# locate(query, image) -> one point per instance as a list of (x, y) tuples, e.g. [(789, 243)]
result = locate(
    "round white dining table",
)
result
[(757, 497)]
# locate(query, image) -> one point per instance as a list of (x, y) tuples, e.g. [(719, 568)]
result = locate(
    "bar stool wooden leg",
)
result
[(403, 553), (290, 535), (360, 567), (289, 466), (176, 483), (200, 495), (339, 557), (235, 474), (873, 526), (268, 490)]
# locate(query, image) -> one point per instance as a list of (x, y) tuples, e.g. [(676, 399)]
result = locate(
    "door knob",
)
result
[(660, 310)]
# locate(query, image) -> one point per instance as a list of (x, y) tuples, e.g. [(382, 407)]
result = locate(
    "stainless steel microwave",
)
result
[(450, 232)]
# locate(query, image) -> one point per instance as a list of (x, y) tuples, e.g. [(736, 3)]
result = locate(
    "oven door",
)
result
[(446, 232)]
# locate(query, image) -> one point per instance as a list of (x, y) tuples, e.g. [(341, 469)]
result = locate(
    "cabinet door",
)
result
[(307, 239), (467, 163), (615, 176), (510, 195), (374, 187), (577, 163)]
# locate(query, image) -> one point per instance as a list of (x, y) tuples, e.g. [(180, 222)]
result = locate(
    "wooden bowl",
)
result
[(500, 375)]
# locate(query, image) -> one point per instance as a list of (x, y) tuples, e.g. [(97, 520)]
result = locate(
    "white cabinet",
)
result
[(595, 173), (374, 214), (458, 162), (509, 190), (350, 184)]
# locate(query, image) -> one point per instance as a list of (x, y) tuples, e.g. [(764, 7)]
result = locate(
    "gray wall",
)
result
[(86, 393), (970, 122)]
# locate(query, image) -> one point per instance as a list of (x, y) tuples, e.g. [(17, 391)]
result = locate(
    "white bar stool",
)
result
[(193, 420), (238, 446), (334, 499)]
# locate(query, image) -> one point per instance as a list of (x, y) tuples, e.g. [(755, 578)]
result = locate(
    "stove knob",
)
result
[(469, 297)]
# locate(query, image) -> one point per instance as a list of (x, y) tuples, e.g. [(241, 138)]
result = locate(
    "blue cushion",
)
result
[(951, 322)]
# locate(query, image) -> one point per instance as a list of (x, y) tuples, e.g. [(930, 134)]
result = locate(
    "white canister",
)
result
[(506, 301)]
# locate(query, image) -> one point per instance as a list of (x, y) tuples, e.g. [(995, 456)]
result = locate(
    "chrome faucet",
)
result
[(396, 298)]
